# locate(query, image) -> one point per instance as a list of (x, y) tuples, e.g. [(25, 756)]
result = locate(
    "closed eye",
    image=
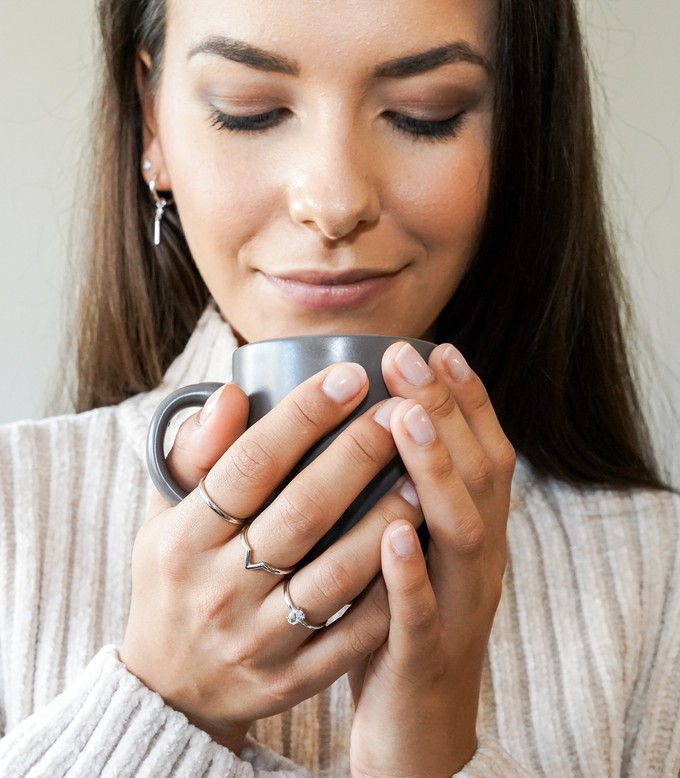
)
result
[(427, 129), (252, 123)]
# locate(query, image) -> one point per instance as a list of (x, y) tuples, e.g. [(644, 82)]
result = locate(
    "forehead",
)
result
[(318, 31)]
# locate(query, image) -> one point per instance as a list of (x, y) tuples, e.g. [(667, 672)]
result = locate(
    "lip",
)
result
[(317, 291)]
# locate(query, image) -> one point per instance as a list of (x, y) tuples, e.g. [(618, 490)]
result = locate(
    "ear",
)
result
[(151, 141)]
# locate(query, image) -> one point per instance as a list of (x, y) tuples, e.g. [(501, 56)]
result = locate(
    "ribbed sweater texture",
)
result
[(582, 676)]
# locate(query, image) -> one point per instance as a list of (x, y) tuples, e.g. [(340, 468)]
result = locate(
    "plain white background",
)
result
[(46, 76)]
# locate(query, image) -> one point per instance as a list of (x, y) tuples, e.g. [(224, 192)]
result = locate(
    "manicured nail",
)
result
[(456, 364), (344, 382), (384, 412), (210, 405), (419, 426), (403, 540), (408, 491), (412, 366)]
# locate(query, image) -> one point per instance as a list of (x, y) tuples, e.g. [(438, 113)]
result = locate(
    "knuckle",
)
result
[(366, 637), (249, 461), (423, 620), (506, 458), (479, 399), (300, 509), (392, 509), (480, 476), (361, 449), (469, 539), (331, 576), (440, 467), (304, 412), (441, 406)]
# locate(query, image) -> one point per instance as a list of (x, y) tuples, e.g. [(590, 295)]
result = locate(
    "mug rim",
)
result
[(330, 336)]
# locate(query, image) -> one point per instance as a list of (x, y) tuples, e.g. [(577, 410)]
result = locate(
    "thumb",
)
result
[(413, 607), (204, 437)]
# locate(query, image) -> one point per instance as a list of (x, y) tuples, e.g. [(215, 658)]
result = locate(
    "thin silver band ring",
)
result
[(216, 508), (249, 565), (297, 615)]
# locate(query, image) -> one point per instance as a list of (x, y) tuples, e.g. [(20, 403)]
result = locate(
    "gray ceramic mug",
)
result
[(267, 371)]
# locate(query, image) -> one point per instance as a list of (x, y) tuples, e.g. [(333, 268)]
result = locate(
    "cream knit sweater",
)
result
[(583, 669)]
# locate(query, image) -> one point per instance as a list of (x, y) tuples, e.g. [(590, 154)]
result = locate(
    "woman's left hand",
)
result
[(417, 696)]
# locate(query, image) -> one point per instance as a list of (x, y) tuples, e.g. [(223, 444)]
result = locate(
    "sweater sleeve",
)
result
[(108, 723)]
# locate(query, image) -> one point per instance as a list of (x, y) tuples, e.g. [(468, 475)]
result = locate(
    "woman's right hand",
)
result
[(211, 637)]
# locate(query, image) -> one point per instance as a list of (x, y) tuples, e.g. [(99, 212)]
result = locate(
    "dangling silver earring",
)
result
[(161, 204)]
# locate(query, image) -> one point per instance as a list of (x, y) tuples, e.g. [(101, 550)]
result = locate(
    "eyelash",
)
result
[(422, 129), (254, 123), (427, 129)]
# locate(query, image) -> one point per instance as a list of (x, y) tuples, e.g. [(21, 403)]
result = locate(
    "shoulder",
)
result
[(582, 508), (628, 537), (72, 461), (53, 442)]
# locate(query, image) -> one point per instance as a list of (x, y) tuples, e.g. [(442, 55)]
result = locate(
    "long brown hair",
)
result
[(540, 314)]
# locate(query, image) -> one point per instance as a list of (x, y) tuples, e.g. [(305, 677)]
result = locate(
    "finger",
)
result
[(407, 373), (339, 575), (414, 618), (452, 516), (333, 651), (315, 499), (463, 539), (473, 400), (203, 438), (245, 477)]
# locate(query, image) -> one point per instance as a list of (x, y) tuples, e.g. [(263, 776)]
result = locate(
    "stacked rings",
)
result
[(295, 615)]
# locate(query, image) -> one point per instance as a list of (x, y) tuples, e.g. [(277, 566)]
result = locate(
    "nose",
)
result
[(334, 189)]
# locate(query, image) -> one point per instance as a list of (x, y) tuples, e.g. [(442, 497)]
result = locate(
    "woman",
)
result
[(424, 173)]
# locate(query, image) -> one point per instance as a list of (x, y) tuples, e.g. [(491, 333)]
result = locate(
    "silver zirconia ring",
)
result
[(297, 615)]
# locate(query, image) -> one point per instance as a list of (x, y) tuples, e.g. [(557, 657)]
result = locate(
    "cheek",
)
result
[(222, 198), (448, 209)]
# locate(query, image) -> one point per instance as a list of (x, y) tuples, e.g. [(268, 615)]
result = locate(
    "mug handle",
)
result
[(193, 396)]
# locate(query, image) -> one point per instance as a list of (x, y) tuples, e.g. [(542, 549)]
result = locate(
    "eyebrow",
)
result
[(401, 67), (424, 61), (246, 54)]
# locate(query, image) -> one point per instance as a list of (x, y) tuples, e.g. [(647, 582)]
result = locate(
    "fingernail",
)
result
[(412, 366), (344, 382), (384, 412), (456, 364), (209, 407), (403, 540), (419, 426), (408, 491)]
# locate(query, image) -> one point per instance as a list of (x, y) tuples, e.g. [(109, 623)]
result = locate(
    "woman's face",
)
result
[(329, 160)]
